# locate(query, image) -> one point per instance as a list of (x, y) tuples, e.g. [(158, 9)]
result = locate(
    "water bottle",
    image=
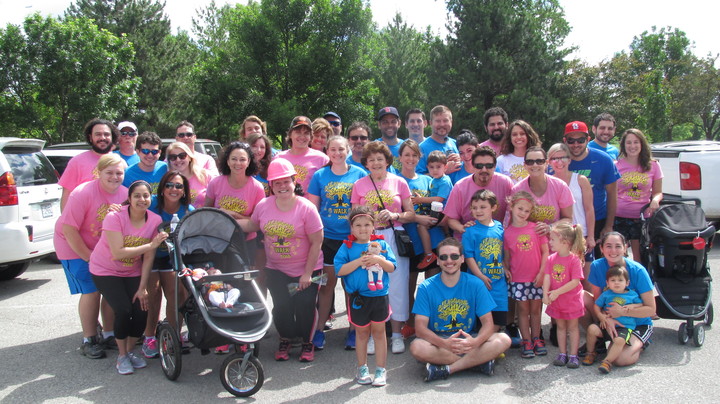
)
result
[(661, 255), (174, 222)]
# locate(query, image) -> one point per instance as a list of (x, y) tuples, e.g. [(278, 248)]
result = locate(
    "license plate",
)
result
[(46, 209)]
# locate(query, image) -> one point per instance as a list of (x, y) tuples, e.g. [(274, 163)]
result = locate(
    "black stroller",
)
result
[(675, 243), (203, 239)]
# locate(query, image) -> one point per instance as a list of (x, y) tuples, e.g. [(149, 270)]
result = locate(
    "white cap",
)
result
[(127, 124)]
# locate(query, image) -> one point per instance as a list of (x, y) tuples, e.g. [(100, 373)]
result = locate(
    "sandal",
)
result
[(605, 367), (590, 358), (560, 360)]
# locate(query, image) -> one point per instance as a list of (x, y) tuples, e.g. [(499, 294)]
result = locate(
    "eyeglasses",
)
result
[(131, 133), (580, 140), (335, 123), (184, 135), (444, 257), (562, 159), (176, 185), (154, 152), (181, 156), (480, 166), (356, 138), (536, 161)]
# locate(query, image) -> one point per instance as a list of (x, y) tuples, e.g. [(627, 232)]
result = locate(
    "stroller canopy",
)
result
[(679, 218), (209, 230)]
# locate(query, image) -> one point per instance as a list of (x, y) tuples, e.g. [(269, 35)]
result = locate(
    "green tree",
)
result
[(58, 74)]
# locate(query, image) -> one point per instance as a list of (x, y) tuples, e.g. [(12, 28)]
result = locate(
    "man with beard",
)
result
[(415, 124), (389, 123), (457, 210), (441, 124), (358, 136), (101, 134), (496, 120), (604, 130)]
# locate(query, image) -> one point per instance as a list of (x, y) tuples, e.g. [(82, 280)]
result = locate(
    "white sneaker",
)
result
[(380, 377), (371, 346), (397, 345)]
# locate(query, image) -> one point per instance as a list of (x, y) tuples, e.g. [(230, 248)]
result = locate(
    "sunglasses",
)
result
[(130, 133), (480, 166), (184, 135), (356, 138), (154, 152), (580, 140), (181, 156), (444, 257), (335, 123), (559, 159), (176, 185), (536, 161)]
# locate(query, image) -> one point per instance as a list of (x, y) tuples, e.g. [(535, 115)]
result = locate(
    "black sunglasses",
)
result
[(176, 185), (356, 138), (580, 140), (181, 156), (154, 152), (130, 133), (444, 257), (185, 134), (334, 123), (480, 166), (536, 161)]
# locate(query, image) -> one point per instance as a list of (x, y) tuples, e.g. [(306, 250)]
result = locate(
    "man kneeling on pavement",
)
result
[(447, 308)]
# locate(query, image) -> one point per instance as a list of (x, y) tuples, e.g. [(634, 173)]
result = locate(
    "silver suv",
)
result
[(29, 204)]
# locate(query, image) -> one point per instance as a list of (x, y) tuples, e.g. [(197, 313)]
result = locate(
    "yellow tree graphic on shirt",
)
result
[(523, 243), (302, 172), (451, 309), (491, 249), (340, 191), (634, 180), (373, 202), (233, 204), (280, 230)]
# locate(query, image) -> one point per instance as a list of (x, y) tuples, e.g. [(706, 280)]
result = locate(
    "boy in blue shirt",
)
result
[(440, 188)]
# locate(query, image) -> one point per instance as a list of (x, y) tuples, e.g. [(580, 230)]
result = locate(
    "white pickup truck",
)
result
[(691, 169)]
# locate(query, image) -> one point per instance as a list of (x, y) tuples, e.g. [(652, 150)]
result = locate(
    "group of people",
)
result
[(498, 228)]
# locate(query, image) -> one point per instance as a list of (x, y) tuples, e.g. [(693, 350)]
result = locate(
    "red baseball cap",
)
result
[(576, 127)]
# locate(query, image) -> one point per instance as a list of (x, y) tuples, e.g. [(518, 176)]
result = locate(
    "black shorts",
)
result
[(499, 319), (622, 332), (330, 247), (630, 228), (362, 310)]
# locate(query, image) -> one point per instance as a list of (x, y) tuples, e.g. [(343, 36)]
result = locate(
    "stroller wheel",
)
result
[(242, 379), (683, 336), (699, 335), (170, 350), (709, 315)]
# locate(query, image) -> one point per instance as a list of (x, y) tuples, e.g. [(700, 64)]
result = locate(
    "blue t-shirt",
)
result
[(162, 251), (450, 310), (135, 173), (459, 174), (130, 160), (264, 182), (421, 186), (599, 168), (357, 280), (429, 145), (629, 297), (441, 187), (639, 279), (485, 245), (611, 150), (395, 151), (352, 162), (334, 192)]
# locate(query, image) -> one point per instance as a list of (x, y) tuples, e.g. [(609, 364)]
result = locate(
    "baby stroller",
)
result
[(203, 239), (675, 242)]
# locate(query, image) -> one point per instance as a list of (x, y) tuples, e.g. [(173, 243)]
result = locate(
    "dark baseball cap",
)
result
[(333, 114), (386, 111), (301, 121)]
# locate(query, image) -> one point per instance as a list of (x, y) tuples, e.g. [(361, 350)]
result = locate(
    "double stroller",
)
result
[(205, 240), (674, 244)]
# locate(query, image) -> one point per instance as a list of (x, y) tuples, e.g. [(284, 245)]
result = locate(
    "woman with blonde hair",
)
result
[(181, 158)]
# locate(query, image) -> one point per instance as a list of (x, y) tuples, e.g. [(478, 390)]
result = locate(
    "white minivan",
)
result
[(29, 204)]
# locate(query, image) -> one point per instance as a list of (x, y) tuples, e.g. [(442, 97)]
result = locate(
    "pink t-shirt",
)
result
[(85, 210), (207, 162), (81, 168), (393, 190), (241, 200), (491, 145), (198, 190), (101, 261), (305, 165), (635, 188), (562, 270), (458, 203), (286, 234), (525, 253), (547, 207)]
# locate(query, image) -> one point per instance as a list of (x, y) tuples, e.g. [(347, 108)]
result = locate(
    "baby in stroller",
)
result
[(218, 293)]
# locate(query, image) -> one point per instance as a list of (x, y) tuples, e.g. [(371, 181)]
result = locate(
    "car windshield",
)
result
[(30, 167)]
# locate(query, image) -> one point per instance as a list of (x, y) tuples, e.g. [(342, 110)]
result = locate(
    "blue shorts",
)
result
[(77, 273)]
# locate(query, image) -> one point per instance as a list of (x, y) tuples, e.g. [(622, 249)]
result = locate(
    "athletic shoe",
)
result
[(363, 375), (283, 352), (329, 322), (590, 358), (124, 366), (308, 352), (527, 349), (109, 343), (436, 372), (539, 346), (573, 362), (561, 360), (222, 349), (427, 260), (605, 367), (137, 361), (371, 346), (350, 341), (185, 343), (397, 345), (487, 368), (150, 348), (514, 333), (407, 331), (319, 340), (380, 377), (92, 349)]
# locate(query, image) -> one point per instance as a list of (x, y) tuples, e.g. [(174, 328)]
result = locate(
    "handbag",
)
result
[(403, 242)]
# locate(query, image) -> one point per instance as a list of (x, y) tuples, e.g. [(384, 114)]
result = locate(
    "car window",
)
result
[(30, 167)]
